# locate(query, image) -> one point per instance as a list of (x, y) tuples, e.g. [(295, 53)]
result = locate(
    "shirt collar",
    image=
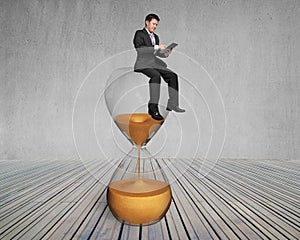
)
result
[(149, 32)]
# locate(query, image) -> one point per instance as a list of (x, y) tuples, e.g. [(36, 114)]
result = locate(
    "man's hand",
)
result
[(168, 52), (161, 46)]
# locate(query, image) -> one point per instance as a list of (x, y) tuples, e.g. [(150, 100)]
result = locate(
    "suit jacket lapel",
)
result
[(156, 39), (149, 43)]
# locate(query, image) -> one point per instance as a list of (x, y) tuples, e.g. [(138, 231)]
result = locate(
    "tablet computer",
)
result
[(172, 45)]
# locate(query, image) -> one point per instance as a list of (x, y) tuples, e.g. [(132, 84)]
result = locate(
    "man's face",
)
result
[(151, 26)]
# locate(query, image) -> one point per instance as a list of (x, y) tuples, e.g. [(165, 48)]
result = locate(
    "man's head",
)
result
[(151, 22)]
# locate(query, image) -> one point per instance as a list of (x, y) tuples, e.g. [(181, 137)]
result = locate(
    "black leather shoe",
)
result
[(153, 111), (176, 109), (155, 115)]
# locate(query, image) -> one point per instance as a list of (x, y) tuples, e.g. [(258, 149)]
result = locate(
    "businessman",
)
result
[(146, 43)]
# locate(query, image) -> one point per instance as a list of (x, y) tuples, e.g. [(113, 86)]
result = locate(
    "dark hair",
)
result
[(150, 16)]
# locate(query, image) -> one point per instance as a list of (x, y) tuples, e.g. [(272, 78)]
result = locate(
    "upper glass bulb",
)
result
[(127, 96)]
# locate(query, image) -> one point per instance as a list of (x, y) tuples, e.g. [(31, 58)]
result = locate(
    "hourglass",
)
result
[(138, 192)]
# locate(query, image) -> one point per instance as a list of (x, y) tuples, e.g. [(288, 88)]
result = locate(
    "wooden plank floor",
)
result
[(237, 199)]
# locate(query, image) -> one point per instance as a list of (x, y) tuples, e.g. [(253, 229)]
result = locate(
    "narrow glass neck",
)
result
[(134, 146)]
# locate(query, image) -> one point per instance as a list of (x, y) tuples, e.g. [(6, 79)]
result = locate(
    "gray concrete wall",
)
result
[(250, 49)]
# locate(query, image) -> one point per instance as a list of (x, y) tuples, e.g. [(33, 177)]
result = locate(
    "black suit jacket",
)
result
[(146, 56)]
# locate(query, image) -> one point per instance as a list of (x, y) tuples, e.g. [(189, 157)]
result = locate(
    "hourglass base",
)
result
[(139, 201)]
